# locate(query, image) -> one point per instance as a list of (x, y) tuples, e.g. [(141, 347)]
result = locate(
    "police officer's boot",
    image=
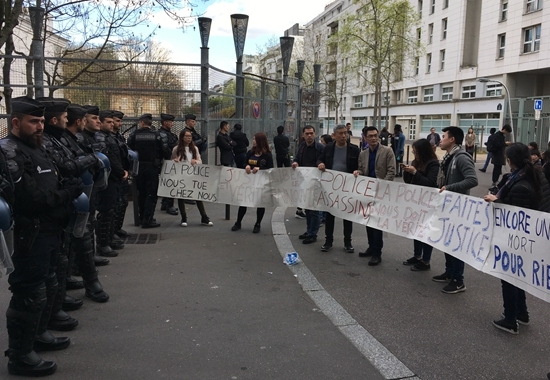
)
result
[(170, 209), (84, 255), (45, 341), (120, 214), (98, 261), (103, 231), (60, 320), (22, 326), (115, 242)]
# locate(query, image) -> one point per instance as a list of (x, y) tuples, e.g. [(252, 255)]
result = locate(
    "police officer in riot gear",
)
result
[(81, 247), (87, 139), (200, 142), (122, 203), (55, 123), (151, 150), (41, 212), (165, 130), (108, 198)]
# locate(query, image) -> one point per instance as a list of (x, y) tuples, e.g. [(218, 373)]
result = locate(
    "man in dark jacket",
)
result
[(341, 156), (168, 137), (498, 146), (225, 145), (200, 142), (281, 144), (308, 153), (241, 146)]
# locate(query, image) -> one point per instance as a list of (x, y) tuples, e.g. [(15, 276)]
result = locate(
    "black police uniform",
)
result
[(122, 203), (80, 247), (151, 150), (168, 137), (41, 207), (108, 198), (200, 142)]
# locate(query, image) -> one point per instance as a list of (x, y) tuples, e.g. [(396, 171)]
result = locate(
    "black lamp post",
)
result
[(239, 25), (36, 15), (204, 31)]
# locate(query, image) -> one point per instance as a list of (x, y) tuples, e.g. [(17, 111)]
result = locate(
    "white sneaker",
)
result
[(183, 224)]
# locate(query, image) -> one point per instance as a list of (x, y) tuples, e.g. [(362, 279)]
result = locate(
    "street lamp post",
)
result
[(286, 52), (239, 25), (301, 64), (36, 15), (487, 80), (204, 31)]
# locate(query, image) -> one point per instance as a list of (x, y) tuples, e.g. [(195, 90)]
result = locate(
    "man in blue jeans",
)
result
[(459, 176), (308, 153)]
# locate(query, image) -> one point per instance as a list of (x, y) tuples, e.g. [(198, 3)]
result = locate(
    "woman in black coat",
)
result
[(521, 188), (422, 171)]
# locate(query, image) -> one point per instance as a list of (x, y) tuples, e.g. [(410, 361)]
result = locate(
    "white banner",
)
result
[(504, 241), (520, 253)]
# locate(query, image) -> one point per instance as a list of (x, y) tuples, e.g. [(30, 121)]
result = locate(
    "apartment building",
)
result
[(507, 42)]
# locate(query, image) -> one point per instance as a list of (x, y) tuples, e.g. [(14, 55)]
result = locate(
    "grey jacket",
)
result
[(460, 173)]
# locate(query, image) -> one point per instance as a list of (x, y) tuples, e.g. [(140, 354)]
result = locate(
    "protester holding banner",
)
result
[(457, 173), (377, 161), (341, 156), (307, 155), (423, 172), (257, 158), (187, 151), (521, 188)]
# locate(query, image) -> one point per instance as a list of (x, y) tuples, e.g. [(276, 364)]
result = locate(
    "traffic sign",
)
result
[(538, 104), (537, 115)]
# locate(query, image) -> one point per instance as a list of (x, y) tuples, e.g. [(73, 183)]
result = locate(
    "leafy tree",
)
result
[(378, 39)]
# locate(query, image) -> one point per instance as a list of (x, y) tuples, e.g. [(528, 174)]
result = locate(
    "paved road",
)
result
[(208, 303)]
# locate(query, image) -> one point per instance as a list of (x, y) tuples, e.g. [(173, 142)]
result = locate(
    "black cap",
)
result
[(167, 117), (27, 106), (146, 116), (118, 114), (105, 113), (92, 110), (190, 116), (54, 105), (76, 111)]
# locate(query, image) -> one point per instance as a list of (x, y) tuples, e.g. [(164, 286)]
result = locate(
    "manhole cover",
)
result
[(142, 239)]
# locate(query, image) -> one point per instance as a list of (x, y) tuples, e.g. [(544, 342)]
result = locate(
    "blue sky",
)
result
[(268, 19)]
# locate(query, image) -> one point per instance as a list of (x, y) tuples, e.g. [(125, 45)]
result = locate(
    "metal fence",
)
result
[(135, 88)]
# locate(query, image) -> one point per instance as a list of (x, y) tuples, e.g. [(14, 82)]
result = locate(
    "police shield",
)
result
[(6, 238), (102, 177), (133, 158), (79, 217), (88, 182)]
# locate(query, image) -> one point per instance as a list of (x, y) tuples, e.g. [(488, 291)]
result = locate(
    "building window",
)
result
[(531, 39), (504, 10), (124, 103), (386, 99), (468, 92), (428, 63), (494, 90), (442, 60), (153, 104), (432, 8), (420, 8), (444, 29), (416, 65), (533, 5), (430, 33), (412, 96), (429, 94), (447, 93), (501, 45), (358, 101), (445, 4), (419, 36)]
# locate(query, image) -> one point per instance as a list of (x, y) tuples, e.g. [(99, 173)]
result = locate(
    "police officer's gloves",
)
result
[(74, 186)]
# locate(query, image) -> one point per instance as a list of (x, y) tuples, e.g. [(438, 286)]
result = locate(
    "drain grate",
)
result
[(142, 239)]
